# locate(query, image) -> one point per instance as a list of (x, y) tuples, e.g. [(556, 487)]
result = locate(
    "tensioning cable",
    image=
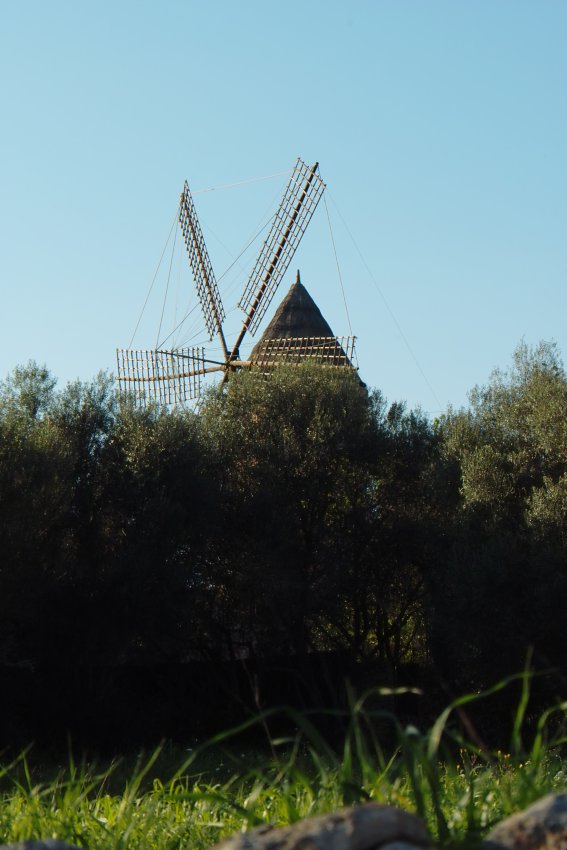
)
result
[(166, 288), (153, 280), (387, 306), (239, 183), (338, 267)]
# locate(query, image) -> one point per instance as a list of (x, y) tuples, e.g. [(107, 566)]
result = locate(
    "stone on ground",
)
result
[(542, 826), (365, 827)]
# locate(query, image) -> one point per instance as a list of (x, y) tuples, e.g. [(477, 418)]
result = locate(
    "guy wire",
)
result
[(154, 279), (338, 267), (239, 183), (388, 308), (166, 288)]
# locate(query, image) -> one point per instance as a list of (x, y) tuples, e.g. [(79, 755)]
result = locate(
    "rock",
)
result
[(363, 827), (542, 826), (40, 844)]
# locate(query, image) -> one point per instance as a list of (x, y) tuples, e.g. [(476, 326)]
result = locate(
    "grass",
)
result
[(456, 784)]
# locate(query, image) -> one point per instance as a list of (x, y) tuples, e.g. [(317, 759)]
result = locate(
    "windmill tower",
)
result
[(296, 334)]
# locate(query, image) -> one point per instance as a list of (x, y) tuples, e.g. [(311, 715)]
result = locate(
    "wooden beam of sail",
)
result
[(162, 377), (325, 350)]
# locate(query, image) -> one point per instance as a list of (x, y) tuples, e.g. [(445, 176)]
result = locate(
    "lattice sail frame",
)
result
[(324, 350), (299, 202), (205, 281), (163, 377)]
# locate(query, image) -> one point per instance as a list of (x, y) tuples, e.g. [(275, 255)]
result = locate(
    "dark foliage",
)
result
[(295, 516)]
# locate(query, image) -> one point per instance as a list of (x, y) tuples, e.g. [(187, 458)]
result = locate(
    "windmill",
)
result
[(175, 376)]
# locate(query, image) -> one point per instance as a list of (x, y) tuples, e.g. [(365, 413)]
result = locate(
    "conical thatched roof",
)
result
[(297, 332), (297, 316)]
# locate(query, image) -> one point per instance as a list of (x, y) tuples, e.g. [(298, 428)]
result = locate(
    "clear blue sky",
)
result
[(440, 127)]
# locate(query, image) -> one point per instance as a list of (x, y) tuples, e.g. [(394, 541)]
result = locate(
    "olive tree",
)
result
[(502, 584)]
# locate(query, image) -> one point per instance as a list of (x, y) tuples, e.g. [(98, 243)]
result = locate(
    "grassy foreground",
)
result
[(457, 785)]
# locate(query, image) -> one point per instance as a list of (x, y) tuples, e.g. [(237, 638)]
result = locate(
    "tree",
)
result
[(287, 450), (35, 471), (101, 506), (393, 542), (319, 543), (152, 517), (507, 572), (28, 391)]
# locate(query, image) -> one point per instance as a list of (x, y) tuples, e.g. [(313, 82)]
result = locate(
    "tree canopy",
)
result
[(294, 513)]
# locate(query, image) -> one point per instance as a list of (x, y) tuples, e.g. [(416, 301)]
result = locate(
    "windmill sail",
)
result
[(205, 282), (324, 350), (298, 204), (162, 377)]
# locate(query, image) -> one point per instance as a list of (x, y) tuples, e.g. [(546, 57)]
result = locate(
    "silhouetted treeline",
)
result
[(294, 514)]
